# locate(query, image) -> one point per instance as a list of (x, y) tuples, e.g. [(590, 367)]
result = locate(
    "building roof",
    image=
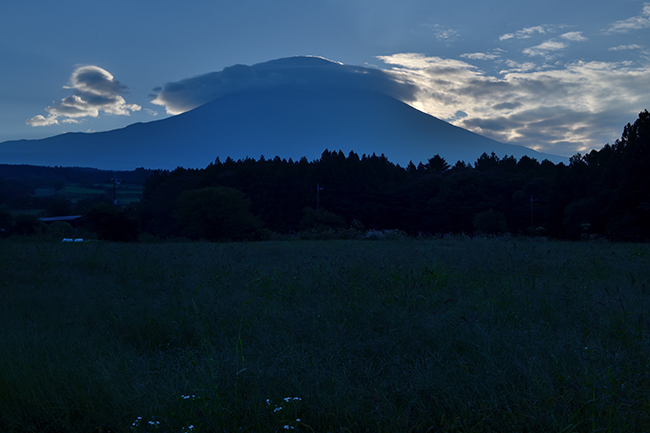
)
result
[(60, 218)]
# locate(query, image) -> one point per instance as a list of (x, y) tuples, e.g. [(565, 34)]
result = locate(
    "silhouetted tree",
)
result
[(58, 206), (437, 163), (27, 225), (490, 222), (113, 223), (320, 220), (215, 213), (606, 191), (6, 223)]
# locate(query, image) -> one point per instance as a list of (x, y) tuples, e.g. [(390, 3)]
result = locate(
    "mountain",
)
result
[(286, 121)]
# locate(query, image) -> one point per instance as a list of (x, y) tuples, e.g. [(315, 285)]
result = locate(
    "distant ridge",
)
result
[(285, 121)]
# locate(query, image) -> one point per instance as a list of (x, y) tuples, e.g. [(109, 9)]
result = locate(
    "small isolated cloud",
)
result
[(573, 36), (481, 56), (444, 33), (545, 48), (95, 90), (524, 33), (626, 47), (458, 115), (40, 120), (518, 67), (562, 110), (641, 21), (306, 72)]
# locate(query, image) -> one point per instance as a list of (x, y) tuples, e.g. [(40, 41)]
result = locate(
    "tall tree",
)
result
[(215, 213)]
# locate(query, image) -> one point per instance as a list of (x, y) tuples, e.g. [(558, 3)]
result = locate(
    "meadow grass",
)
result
[(441, 335), (127, 193)]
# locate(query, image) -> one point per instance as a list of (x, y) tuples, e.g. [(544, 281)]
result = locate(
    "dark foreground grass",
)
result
[(447, 335)]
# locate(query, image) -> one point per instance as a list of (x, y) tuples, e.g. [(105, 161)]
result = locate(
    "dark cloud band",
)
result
[(308, 72)]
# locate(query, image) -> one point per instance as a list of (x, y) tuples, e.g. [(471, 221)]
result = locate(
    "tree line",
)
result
[(604, 193)]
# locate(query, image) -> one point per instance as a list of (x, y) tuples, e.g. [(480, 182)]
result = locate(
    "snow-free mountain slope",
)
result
[(285, 121)]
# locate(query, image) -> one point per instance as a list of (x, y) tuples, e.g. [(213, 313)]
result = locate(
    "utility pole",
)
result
[(318, 190), (116, 182)]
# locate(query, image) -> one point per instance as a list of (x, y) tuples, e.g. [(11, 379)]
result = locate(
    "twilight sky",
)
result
[(559, 77)]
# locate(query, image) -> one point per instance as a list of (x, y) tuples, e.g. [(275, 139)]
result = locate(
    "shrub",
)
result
[(112, 223), (490, 222), (60, 229), (216, 213)]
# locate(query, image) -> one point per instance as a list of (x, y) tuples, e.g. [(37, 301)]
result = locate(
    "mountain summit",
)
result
[(289, 108)]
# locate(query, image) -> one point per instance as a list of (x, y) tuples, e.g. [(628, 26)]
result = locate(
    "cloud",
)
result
[(544, 48), (518, 67), (40, 120), (444, 33), (626, 47), (507, 105), (524, 33), (307, 72), (573, 36), (561, 110), (638, 22), (482, 56), (95, 90)]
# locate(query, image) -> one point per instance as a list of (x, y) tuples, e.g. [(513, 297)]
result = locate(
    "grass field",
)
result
[(126, 193), (441, 335)]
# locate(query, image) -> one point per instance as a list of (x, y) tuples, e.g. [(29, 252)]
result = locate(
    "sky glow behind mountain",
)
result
[(559, 77)]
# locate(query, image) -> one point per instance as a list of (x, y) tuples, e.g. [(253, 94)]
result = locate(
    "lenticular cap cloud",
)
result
[(305, 72), (95, 80)]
